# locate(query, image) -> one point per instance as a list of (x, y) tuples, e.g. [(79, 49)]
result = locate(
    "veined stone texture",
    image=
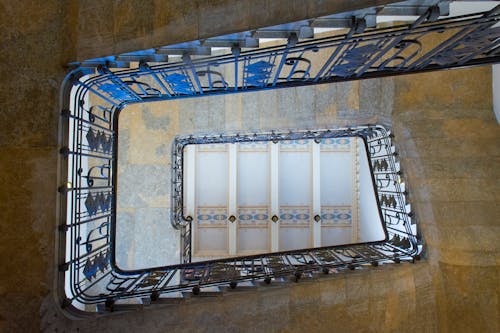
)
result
[(444, 126)]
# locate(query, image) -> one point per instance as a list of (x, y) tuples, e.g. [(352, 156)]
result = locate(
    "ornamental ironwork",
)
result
[(426, 44), (88, 274)]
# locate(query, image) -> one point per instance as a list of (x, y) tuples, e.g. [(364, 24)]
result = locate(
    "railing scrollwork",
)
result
[(87, 270)]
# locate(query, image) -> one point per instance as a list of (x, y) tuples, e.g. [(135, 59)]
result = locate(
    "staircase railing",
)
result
[(91, 104), (426, 44)]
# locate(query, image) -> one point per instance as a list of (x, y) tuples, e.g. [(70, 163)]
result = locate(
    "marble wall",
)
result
[(449, 136), (444, 125), (113, 27)]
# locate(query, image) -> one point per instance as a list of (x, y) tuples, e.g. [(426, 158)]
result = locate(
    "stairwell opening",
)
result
[(91, 150)]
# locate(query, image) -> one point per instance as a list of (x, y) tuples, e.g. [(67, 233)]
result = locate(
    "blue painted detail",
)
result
[(343, 141), (96, 264), (219, 217), (90, 270), (92, 139), (104, 201), (258, 73), (302, 216), (91, 204), (296, 142), (115, 91), (99, 201), (98, 140), (328, 216), (343, 216), (336, 142), (245, 217), (352, 60), (180, 83)]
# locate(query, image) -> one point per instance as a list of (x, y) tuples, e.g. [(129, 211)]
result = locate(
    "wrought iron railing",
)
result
[(394, 209), (96, 279), (88, 273), (426, 44)]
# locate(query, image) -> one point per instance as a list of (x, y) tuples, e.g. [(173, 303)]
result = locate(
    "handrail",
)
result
[(87, 270)]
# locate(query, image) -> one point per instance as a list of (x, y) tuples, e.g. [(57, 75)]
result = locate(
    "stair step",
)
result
[(163, 300), (119, 307), (188, 294), (238, 288)]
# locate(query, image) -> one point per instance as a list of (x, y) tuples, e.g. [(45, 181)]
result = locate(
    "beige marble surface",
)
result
[(444, 125)]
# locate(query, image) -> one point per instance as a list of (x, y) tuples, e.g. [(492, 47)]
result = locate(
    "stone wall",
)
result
[(34, 45), (449, 136), (443, 122), (113, 27)]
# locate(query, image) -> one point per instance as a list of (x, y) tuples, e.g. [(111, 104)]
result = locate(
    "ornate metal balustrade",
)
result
[(427, 44), (87, 271), (95, 279), (394, 209)]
